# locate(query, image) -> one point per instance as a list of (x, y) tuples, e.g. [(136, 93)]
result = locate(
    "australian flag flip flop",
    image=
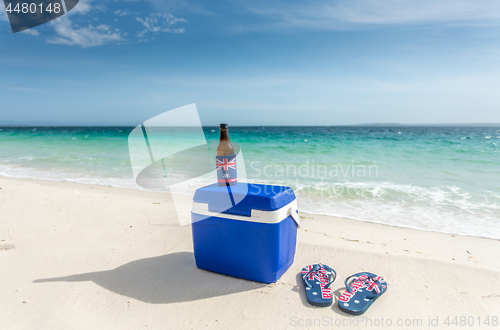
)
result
[(363, 290), (317, 280)]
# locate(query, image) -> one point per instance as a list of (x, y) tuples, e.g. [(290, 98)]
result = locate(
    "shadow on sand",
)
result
[(163, 280)]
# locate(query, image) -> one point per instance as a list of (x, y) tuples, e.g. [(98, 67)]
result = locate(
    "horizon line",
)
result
[(39, 125)]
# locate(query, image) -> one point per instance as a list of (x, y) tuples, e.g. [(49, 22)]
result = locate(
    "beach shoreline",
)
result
[(49, 182), (416, 177), (80, 256)]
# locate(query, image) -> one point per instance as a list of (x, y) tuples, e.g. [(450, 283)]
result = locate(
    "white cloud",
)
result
[(159, 23), (83, 36), (87, 36), (345, 14), (82, 7), (31, 32), (123, 12), (79, 28)]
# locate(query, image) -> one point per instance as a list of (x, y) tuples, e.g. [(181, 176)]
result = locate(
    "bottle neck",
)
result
[(224, 134)]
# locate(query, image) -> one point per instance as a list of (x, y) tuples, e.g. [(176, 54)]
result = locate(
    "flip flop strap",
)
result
[(334, 275), (369, 276), (316, 268), (357, 275)]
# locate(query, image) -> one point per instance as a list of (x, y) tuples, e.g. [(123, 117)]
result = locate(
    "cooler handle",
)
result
[(295, 216)]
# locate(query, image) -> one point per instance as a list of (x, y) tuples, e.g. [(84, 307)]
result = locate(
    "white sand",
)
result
[(88, 257)]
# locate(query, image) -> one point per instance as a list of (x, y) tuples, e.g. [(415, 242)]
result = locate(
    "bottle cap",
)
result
[(223, 125)]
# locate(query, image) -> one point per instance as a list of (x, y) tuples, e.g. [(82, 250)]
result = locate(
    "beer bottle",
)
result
[(225, 160)]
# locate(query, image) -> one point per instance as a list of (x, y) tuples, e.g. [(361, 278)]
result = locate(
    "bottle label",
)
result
[(226, 169)]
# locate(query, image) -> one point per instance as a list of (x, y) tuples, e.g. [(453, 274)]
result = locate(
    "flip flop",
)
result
[(317, 279), (364, 289)]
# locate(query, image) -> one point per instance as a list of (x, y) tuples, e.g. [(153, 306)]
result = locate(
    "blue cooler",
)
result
[(252, 237)]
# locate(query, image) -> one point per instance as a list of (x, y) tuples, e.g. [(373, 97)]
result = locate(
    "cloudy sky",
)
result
[(257, 62)]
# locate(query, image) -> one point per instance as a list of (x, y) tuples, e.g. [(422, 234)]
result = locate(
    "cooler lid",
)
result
[(242, 198)]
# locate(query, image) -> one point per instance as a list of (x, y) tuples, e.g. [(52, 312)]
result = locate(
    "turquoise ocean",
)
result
[(444, 179)]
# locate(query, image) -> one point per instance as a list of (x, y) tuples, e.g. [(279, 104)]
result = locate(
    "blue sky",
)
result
[(257, 62)]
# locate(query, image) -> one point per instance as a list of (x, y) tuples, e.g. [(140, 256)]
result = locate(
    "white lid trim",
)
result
[(256, 215)]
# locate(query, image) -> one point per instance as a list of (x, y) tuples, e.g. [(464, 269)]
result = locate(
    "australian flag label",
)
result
[(226, 169)]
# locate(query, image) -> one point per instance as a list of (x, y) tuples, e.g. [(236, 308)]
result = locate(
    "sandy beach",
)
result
[(92, 257)]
